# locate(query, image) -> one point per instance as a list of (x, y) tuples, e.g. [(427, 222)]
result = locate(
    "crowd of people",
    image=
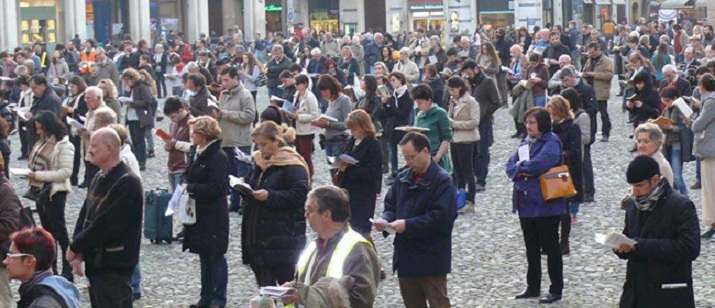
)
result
[(93, 108)]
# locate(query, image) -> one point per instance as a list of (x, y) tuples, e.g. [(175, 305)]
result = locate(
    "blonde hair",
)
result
[(146, 76), (270, 130), (561, 107), (121, 131), (360, 119), (108, 86), (131, 74), (206, 126)]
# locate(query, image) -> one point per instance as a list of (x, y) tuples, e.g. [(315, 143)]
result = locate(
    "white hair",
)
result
[(568, 57), (277, 47), (670, 68), (315, 51), (515, 47), (405, 50), (96, 91), (465, 39), (378, 34), (191, 65)]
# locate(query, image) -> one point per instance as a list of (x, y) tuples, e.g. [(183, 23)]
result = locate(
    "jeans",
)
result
[(540, 101), (175, 179), (574, 207), (238, 169), (161, 85), (138, 141), (52, 217), (137, 280), (543, 233), (149, 137), (481, 151), (463, 159), (214, 279), (333, 149), (109, 288), (605, 119), (274, 91), (588, 187), (674, 156)]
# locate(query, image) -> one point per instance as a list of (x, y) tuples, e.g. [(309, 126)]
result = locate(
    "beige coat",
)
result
[(464, 119), (603, 74), (308, 110), (240, 113), (61, 163), (410, 69), (424, 51)]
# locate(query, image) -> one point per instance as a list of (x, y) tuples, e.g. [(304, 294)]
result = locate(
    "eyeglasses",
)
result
[(409, 157), (17, 255)]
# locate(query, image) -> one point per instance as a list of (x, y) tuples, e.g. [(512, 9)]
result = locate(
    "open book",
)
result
[(239, 184), (613, 239), (288, 106), (21, 113), (683, 107), (344, 158), (19, 171), (663, 120), (327, 118), (412, 129)]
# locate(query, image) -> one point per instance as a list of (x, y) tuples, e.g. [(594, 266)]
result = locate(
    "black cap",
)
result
[(642, 168)]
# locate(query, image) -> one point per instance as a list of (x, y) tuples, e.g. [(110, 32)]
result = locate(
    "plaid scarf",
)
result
[(41, 157), (647, 203)]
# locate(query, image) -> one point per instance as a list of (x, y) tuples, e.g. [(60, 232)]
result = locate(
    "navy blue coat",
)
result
[(570, 136), (429, 208), (527, 199), (668, 242), (363, 182)]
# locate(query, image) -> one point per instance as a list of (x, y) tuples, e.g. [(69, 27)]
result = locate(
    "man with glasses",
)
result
[(421, 207), (29, 260), (344, 256)]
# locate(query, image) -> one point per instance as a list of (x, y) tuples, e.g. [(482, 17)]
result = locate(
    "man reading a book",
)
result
[(665, 226), (340, 267)]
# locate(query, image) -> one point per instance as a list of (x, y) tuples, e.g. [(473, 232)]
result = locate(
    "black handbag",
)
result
[(33, 193), (687, 137)]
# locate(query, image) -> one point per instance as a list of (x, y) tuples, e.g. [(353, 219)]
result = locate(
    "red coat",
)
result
[(186, 54)]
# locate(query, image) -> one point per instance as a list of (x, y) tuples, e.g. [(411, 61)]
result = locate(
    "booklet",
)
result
[(433, 60), (72, 122), (277, 99), (388, 229), (21, 113), (683, 107), (288, 106), (507, 70), (662, 120), (275, 291), (22, 172), (524, 153), (162, 134), (327, 118), (412, 129), (614, 239), (239, 184), (344, 158)]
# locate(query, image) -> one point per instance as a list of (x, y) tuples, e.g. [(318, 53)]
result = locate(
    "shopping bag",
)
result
[(187, 209)]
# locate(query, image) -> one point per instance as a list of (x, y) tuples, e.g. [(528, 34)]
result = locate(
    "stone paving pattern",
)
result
[(489, 261)]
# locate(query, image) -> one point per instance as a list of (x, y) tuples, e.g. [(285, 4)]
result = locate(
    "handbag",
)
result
[(26, 219), (187, 209), (557, 183), (33, 193), (261, 80)]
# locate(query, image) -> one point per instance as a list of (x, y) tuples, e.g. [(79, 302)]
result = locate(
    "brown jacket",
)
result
[(603, 74), (178, 162), (361, 276), (9, 213)]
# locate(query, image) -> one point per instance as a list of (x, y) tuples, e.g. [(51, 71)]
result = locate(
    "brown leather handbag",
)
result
[(557, 183)]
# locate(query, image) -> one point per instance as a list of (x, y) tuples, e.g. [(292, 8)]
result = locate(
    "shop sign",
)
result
[(273, 8), (426, 4)]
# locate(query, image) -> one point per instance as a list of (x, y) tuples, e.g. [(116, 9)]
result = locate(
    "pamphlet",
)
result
[(288, 106), (433, 60), (239, 184), (275, 291), (21, 113), (524, 153), (22, 172), (77, 125), (327, 118), (277, 99), (388, 229), (162, 134), (614, 239), (683, 107), (412, 129), (662, 120), (507, 70)]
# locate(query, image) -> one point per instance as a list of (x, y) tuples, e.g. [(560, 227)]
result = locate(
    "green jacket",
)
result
[(437, 120)]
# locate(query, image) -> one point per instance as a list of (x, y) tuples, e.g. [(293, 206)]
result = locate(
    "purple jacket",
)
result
[(544, 154)]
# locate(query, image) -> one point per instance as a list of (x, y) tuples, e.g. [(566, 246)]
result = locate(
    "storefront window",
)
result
[(497, 19), (274, 16), (324, 15), (39, 21), (428, 21)]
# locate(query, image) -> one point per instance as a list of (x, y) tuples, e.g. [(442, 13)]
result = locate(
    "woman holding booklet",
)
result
[(51, 167), (676, 137), (76, 108)]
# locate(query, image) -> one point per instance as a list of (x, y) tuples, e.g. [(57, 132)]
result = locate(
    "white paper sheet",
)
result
[(77, 125), (613, 239), (174, 202), (683, 107), (275, 291), (19, 171), (524, 153), (433, 60)]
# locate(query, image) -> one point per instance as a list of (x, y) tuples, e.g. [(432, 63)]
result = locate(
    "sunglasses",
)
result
[(17, 255)]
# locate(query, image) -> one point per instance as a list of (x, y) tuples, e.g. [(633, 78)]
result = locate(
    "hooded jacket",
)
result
[(52, 292)]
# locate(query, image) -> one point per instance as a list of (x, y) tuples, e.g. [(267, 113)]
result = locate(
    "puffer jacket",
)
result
[(464, 119), (308, 110), (61, 164)]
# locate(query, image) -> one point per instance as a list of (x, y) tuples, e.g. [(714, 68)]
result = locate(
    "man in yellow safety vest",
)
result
[(339, 268)]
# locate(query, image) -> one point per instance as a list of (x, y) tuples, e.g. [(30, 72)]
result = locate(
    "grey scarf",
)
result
[(647, 203)]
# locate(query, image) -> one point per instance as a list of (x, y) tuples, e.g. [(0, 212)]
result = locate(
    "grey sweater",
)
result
[(704, 128), (338, 109)]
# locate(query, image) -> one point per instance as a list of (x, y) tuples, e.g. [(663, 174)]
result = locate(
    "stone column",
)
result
[(9, 25), (197, 19), (75, 19), (254, 19), (139, 20)]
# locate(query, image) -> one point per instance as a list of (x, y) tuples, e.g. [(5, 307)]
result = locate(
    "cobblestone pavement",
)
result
[(489, 262)]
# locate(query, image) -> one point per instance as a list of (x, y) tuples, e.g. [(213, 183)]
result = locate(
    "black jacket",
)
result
[(570, 137), (363, 181), (274, 70), (198, 104), (668, 242), (437, 85), (48, 101), (554, 52), (681, 84), (398, 113), (273, 231), (207, 181), (650, 109), (108, 229), (9, 214), (484, 90)]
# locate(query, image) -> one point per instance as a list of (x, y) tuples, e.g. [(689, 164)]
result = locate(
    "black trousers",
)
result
[(605, 119), (109, 288), (22, 132), (52, 218), (543, 233), (588, 180), (77, 142), (462, 160)]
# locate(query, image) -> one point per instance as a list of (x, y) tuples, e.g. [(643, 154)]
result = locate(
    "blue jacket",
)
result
[(544, 154), (429, 208)]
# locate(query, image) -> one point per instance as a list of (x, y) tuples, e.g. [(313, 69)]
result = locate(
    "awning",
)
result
[(587, 2), (676, 4), (603, 2), (619, 2)]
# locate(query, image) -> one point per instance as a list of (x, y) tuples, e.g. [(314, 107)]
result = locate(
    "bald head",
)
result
[(104, 148)]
